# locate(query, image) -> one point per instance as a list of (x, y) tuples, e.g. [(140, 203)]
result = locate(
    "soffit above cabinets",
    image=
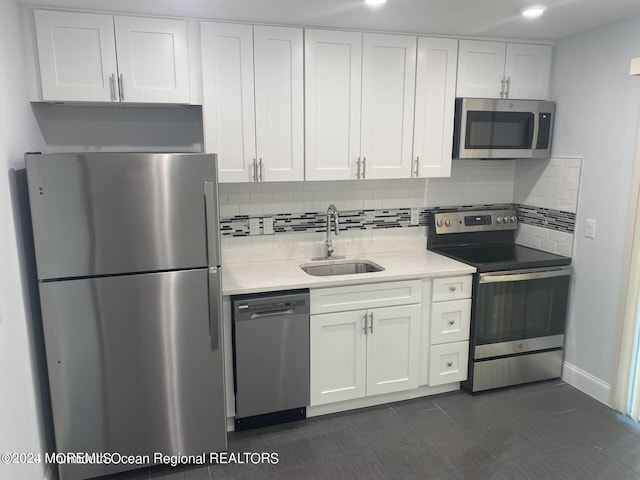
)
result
[(473, 18)]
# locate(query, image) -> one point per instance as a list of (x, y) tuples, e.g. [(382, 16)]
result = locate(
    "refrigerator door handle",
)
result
[(215, 306), (212, 224)]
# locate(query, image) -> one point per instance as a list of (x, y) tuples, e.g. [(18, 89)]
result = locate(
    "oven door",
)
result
[(520, 311)]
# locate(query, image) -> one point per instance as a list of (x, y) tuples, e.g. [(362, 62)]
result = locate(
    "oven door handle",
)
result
[(523, 275)]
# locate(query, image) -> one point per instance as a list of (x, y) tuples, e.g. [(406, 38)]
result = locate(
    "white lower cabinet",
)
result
[(448, 363), (365, 351), (338, 357), (445, 347)]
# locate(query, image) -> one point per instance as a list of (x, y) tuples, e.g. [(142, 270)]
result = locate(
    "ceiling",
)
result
[(477, 18)]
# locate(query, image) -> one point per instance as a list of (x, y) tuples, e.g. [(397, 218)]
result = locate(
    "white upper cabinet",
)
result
[(333, 68), (503, 70), (388, 90), (228, 100), (153, 60), (77, 56), (89, 58), (527, 68), (255, 128), (363, 94), (279, 94), (434, 107)]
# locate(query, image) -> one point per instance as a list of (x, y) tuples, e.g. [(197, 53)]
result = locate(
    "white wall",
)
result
[(20, 417), (598, 107)]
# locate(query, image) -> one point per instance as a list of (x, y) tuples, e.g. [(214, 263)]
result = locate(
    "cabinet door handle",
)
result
[(121, 87), (364, 167), (260, 177), (417, 172), (358, 172), (371, 323), (506, 93), (449, 364), (254, 170), (452, 322), (452, 288), (366, 323), (502, 89), (112, 87)]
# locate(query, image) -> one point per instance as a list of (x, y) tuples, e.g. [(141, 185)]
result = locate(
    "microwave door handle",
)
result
[(536, 129)]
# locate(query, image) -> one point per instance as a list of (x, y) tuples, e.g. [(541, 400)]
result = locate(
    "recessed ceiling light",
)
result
[(533, 11), (375, 3)]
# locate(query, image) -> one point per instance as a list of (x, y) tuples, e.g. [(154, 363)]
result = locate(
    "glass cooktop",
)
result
[(489, 258)]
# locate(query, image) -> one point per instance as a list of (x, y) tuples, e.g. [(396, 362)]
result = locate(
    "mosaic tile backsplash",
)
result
[(238, 225)]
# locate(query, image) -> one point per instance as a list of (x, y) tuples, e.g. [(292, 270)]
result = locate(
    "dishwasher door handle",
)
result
[(288, 311)]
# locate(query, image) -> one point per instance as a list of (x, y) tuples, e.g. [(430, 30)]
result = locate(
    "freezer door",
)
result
[(131, 367), (100, 214)]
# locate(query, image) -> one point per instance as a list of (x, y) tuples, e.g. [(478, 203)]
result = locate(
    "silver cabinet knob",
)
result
[(452, 288), (452, 322), (449, 364)]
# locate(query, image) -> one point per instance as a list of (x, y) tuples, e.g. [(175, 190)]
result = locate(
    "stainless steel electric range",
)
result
[(519, 302)]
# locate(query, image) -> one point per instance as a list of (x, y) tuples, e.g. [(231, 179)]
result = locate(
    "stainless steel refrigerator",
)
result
[(128, 259)]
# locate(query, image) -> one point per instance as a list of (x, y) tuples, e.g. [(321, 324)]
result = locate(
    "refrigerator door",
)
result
[(131, 367), (105, 213)]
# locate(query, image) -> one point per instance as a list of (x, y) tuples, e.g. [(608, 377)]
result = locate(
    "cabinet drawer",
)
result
[(371, 295), (450, 321), (451, 288), (448, 363)]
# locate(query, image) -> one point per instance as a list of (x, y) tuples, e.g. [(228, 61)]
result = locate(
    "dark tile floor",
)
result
[(540, 431)]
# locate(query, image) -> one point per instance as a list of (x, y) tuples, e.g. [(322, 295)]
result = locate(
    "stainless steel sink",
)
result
[(340, 267)]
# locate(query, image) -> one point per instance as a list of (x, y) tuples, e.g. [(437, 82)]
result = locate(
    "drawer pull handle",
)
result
[(366, 322), (371, 324), (453, 288), (449, 364), (452, 322)]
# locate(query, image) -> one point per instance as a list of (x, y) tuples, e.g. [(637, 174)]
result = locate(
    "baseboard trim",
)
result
[(587, 383)]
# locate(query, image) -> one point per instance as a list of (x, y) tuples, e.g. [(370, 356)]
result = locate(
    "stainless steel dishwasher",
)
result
[(271, 357)]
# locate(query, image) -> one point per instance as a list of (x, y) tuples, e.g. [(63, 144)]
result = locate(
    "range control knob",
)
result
[(513, 219), (498, 219), (447, 222), (439, 223), (505, 219)]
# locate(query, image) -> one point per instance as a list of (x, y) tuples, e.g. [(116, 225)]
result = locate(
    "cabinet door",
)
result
[(480, 68), (388, 90), (338, 356), (153, 60), (527, 70), (332, 102), (435, 105), (393, 355), (279, 96), (77, 56), (228, 107)]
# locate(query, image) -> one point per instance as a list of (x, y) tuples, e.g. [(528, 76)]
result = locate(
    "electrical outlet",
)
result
[(415, 216), (254, 226), (590, 228), (267, 225)]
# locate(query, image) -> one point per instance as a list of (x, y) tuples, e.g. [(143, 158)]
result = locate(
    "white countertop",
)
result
[(286, 274)]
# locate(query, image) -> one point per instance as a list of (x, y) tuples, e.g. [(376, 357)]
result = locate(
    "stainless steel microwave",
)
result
[(491, 128)]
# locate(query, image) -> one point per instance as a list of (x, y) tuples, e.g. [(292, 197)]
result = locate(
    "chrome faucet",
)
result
[(332, 214)]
